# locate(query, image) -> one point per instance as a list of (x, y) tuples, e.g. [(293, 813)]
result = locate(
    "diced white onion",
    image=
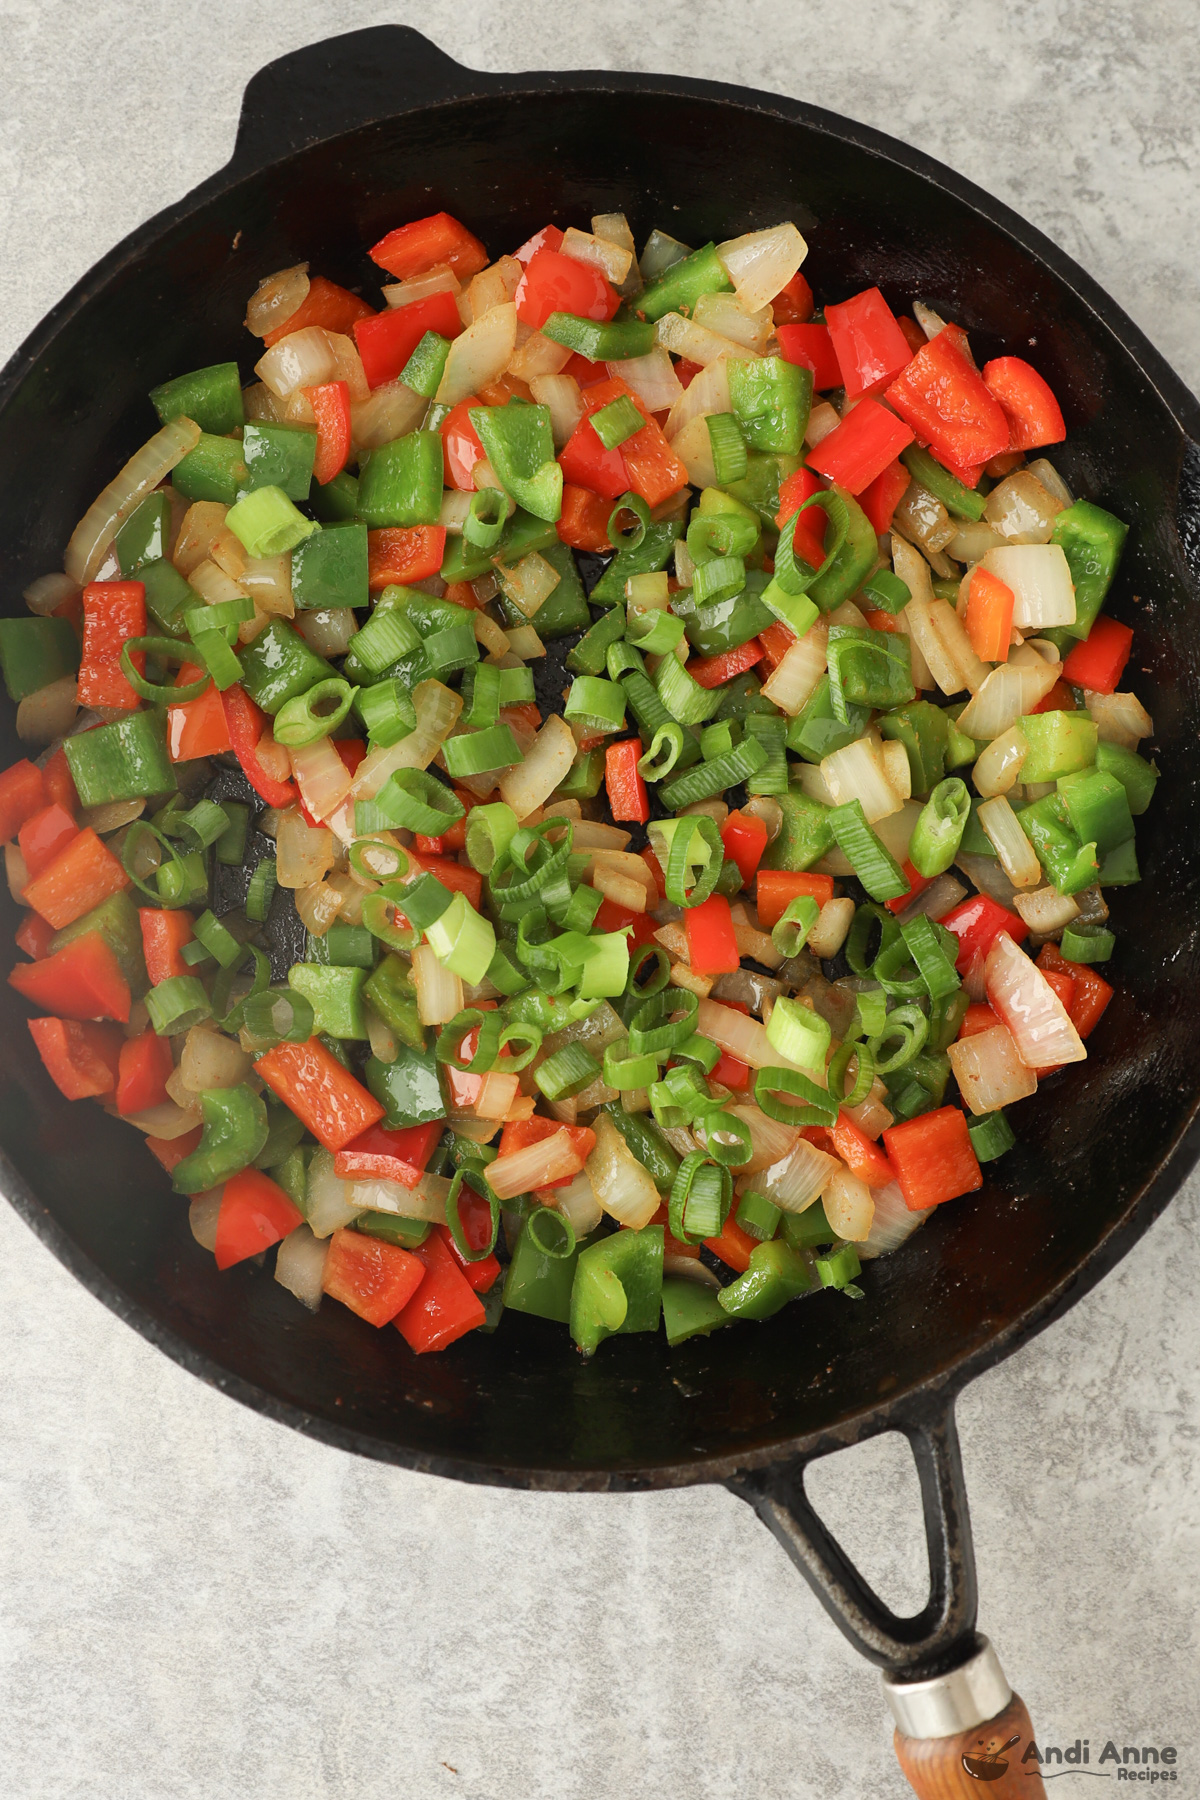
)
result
[(770, 1140), (211, 1060), (537, 355), (534, 1165), (761, 263), (303, 359), (48, 593), (822, 420), (913, 570), (302, 855), (1040, 578), (203, 1212), (693, 446), (92, 537), (998, 766), (300, 1266), (848, 1205), (725, 314), (856, 772), (738, 1034), (1019, 994), (614, 261), (1017, 856), (988, 1070), (323, 777), (1051, 480), (392, 411), (491, 287), (1046, 911), (683, 337), (578, 1204), (167, 1120), (893, 1223), (546, 763), (439, 990), (918, 622), (948, 627), (802, 1177), (479, 355), (707, 392), (1021, 509), (936, 900), (347, 364), (621, 1184), (327, 1202), (972, 541), (560, 395), (213, 585), (1119, 718), (524, 641), (441, 280), (652, 378), (897, 767), (328, 629), (796, 677), (1010, 691), (832, 928), (276, 298), (437, 714), (49, 712)]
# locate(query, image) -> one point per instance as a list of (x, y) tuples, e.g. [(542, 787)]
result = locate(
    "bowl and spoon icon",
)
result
[(988, 1766)]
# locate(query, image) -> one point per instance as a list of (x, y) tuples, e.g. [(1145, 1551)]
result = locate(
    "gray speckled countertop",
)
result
[(194, 1602)]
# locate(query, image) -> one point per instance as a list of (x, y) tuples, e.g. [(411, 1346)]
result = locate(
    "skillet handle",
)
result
[(324, 89), (953, 1708)]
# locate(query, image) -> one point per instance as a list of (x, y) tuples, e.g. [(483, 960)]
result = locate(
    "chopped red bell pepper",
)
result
[(451, 874), (943, 397), (1090, 995), (988, 623), (934, 1158), (625, 787), (977, 1018), (331, 410), (34, 936), (520, 1133), (652, 468), (83, 980), (1062, 984), (882, 496), (879, 621), (553, 282), (777, 888), (171, 1151), (715, 671), (869, 345), (403, 554), (475, 1216), (976, 923), (444, 1307), (744, 837), (1099, 661), (59, 784), (42, 837), (247, 725), (461, 448), (712, 947), (731, 1071), (857, 451), (145, 1066), (641, 926), (326, 304), (113, 612), (386, 340), (1034, 415), (793, 303), (394, 1155), (916, 885), (809, 533), (686, 371), (80, 1059), (198, 727), (84, 873), (164, 933), (425, 244), (311, 1081), (587, 464), (548, 238), (1059, 699), (254, 1214), (734, 1246), (584, 520), (861, 1156), (811, 347), (22, 793), (373, 1278)]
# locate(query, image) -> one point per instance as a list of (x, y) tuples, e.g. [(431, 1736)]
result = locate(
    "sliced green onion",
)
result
[(377, 848), (136, 837), (872, 1011), (771, 732), (700, 1197), (184, 881), (615, 423), (206, 821), (700, 1050), (480, 752), (387, 636), (231, 845), (1087, 943), (867, 920), (654, 633), (939, 830), (874, 865), (490, 830), (581, 912), (937, 969), (473, 1019), (229, 1017), (463, 940), (839, 1268), (194, 954), (706, 780), (263, 882), (990, 1136), (790, 934), (638, 959), (683, 845), (454, 648), (454, 1217), (628, 1072), (817, 1106), (529, 1035), (218, 658), (217, 939), (889, 971), (758, 1217), (720, 579), (653, 1031), (315, 714), (728, 447), (386, 709), (414, 800), (595, 704), (481, 696), (378, 915), (171, 650), (839, 1068), (266, 523), (567, 1072), (666, 747), (177, 1004), (886, 589), (221, 615), (550, 1232), (631, 540), (516, 686), (910, 1027), (487, 515), (799, 1033), (279, 1016), (425, 900)]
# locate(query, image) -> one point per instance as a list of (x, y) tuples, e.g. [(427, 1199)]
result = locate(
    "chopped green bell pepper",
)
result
[(816, 731), (1137, 776), (679, 287), (335, 994), (805, 835), (1092, 541), (278, 664), (279, 455), (116, 919), (519, 445), (653, 553), (771, 400), (777, 1274), (1070, 864), (402, 481), (235, 1131), (408, 1088), (214, 470), (1060, 743), (34, 652), (144, 536), (329, 569), (924, 730), (127, 760), (211, 397), (617, 1287), (690, 1309)]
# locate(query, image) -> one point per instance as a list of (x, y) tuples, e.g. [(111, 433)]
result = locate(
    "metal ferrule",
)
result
[(968, 1696)]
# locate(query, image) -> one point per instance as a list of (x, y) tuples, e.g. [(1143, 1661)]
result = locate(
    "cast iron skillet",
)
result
[(338, 143)]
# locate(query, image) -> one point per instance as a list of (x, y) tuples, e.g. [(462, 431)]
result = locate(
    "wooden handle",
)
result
[(984, 1764)]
